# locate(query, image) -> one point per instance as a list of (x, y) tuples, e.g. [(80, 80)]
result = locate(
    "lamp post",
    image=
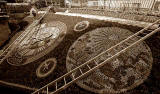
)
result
[(46, 2)]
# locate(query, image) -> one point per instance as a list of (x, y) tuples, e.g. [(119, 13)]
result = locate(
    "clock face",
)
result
[(123, 73), (40, 41), (43, 40)]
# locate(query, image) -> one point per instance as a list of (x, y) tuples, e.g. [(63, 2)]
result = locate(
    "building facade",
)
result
[(112, 3)]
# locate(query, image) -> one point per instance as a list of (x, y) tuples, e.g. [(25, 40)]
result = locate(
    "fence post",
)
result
[(81, 3), (109, 4), (104, 4), (154, 2)]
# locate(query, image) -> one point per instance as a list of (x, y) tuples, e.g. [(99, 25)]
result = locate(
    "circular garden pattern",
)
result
[(81, 26), (125, 72), (46, 68), (44, 39)]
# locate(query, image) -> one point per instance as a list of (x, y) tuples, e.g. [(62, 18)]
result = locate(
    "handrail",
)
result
[(101, 64)]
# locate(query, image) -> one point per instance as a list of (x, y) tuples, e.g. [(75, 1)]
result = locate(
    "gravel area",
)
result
[(145, 16)]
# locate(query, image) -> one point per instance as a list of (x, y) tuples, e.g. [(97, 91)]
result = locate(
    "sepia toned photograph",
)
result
[(79, 46)]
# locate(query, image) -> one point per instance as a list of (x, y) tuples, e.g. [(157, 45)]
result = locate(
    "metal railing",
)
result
[(54, 84)]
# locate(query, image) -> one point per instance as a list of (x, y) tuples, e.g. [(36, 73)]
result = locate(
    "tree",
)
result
[(11, 1), (62, 3)]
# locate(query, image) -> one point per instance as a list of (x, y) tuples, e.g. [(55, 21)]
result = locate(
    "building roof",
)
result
[(3, 1)]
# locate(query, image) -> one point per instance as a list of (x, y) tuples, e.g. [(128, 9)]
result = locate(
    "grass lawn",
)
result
[(26, 75)]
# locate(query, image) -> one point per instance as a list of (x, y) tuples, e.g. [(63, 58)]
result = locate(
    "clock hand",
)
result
[(48, 37), (35, 44), (39, 40)]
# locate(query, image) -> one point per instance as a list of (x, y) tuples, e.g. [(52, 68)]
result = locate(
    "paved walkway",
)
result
[(110, 19)]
